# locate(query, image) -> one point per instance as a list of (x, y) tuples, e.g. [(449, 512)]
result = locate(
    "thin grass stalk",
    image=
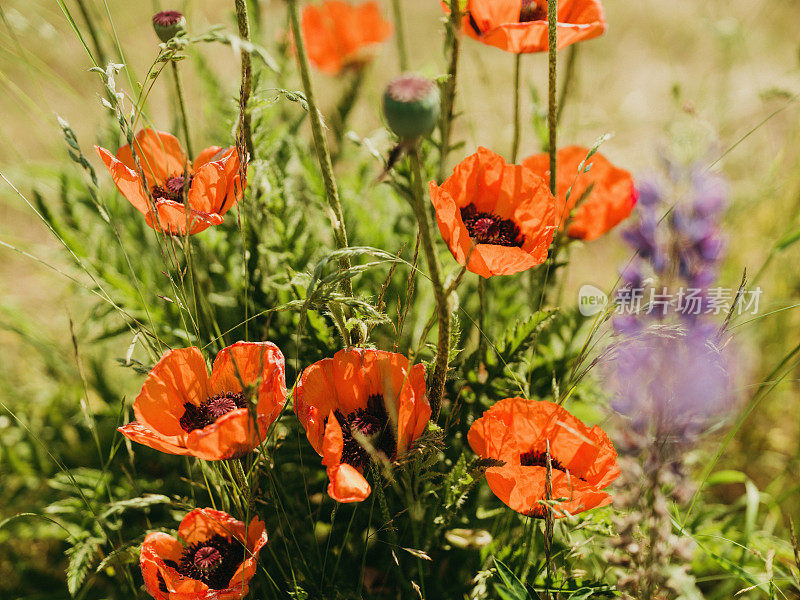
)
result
[(568, 79), (449, 86), (320, 145), (552, 103), (481, 317), (400, 35), (182, 106), (244, 129), (436, 390), (549, 522), (517, 119)]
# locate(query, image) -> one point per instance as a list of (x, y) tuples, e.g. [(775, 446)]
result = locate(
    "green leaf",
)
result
[(82, 557)]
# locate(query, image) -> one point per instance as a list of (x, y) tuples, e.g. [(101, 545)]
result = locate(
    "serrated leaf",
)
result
[(82, 557)]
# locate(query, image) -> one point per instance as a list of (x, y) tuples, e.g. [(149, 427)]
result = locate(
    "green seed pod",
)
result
[(169, 24), (411, 106)]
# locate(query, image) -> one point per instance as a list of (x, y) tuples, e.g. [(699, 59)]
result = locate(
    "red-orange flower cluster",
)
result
[(518, 432), (359, 405), (609, 201), (215, 558), (499, 215), (181, 410), (520, 26), (338, 34), (176, 196)]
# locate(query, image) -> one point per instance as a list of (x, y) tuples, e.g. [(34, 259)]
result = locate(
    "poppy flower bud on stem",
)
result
[(411, 106), (169, 24)]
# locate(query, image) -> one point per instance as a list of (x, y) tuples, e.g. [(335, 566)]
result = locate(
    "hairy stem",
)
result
[(517, 123), (321, 145), (449, 86), (400, 35), (182, 107), (436, 389), (245, 132), (552, 104)]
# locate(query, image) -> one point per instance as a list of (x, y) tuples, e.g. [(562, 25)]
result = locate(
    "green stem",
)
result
[(182, 107), (400, 35), (552, 104), (449, 86), (321, 145), (245, 131), (517, 123), (436, 389)]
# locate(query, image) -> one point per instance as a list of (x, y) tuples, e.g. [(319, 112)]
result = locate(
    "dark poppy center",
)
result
[(207, 558), (213, 561), (212, 408), (371, 423), (533, 10), (532, 458), (173, 188), (487, 228)]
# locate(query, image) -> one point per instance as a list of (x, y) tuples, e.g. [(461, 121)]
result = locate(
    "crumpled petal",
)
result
[(610, 201)]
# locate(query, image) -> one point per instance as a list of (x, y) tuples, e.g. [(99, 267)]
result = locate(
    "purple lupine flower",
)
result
[(678, 231), (670, 382)]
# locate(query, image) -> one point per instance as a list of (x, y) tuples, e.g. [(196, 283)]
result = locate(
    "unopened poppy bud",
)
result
[(169, 24), (357, 330), (411, 105)]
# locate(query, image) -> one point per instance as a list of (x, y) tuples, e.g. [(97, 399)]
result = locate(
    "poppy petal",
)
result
[(337, 33), (179, 377), (160, 156), (206, 156), (234, 174), (155, 548), (172, 219), (127, 181), (609, 202), (499, 26), (209, 187), (203, 523), (249, 363), (233, 435), (147, 437)]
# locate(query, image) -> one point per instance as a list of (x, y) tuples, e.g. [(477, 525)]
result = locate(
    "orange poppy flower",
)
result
[(215, 558), (338, 34), (181, 410), (356, 404), (499, 215), (520, 26), (186, 196), (610, 201), (516, 431)]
